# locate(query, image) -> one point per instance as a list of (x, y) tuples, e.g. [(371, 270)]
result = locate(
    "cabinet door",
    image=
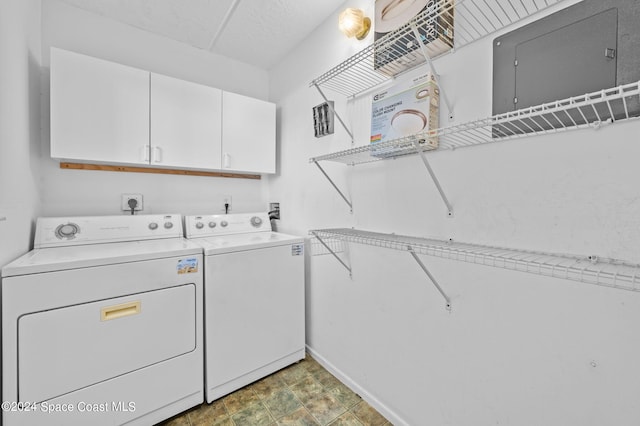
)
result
[(185, 124), (99, 110), (248, 134)]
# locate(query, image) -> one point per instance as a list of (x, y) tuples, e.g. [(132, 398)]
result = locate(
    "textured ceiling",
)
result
[(258, 32)]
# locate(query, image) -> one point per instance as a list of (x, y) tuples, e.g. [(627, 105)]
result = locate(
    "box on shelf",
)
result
[(404, 110), (400, 51)]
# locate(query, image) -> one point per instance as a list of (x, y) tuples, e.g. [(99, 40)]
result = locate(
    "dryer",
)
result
[(253, 299), (102, 323)]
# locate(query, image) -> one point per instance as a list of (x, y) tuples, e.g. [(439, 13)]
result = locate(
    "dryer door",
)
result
[(69, 348)]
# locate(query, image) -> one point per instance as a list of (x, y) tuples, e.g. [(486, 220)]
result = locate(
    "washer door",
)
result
[(73, 347)]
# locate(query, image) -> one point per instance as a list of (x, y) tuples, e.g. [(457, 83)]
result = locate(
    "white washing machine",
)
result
[(102, 323), (254, 299)]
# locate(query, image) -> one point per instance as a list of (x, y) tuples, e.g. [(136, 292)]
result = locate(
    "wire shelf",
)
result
[(586, 269), (590, 110), (399, 51)]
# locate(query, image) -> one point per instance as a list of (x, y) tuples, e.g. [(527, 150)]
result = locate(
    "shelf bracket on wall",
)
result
[(427, 58), (433, 177), (431, 277), (334, 112), (346, 200), (315, 234)]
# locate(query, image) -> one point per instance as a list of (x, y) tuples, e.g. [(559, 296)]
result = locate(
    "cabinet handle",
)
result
[(157, 158), (227, 160), (118, 311), (144, 153)]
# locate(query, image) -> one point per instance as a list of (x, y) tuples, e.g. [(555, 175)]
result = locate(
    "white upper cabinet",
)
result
[(99, 110), (186, 124), (248, 134)]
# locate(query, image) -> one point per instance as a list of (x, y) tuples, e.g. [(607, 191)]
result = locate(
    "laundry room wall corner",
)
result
[(20, 55)]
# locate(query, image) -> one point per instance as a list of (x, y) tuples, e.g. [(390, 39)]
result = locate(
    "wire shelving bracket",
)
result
[(431, 277), (344, 197), (347, 267), (605, 272)]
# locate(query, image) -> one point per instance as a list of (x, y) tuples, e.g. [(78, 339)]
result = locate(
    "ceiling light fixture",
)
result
[(353, 23)]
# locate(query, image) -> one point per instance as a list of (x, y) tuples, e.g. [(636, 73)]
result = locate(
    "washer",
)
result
[(253, 299), (102, 323)]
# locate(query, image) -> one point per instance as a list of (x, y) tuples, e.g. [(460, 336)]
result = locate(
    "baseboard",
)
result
[(393, 417)]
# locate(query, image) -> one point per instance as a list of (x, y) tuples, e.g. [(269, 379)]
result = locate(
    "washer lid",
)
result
[(242, 242), (74, 257)]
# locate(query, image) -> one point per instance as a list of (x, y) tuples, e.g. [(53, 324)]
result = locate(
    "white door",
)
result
[(99, 110), (254, 311), (185, 124), (248, 134)]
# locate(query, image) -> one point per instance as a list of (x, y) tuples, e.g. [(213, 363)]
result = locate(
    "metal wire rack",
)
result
[(589, 110), (445, 25), (586, 269)]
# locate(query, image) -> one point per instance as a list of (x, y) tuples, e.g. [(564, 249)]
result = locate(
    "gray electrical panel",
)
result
[(590, 46)]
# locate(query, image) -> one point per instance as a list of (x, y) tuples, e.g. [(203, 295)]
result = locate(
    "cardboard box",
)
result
[(399, 51), (405, 110)]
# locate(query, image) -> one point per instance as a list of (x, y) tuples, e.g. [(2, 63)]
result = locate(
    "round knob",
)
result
[(256, 221), (67, 230), (168, 225), (153, 226), (199, 225), (212, 224), (223, 223)]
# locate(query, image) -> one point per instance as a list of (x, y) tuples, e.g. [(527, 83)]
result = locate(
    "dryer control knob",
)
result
[(168, 225), (67, 231), (153, 226), (223, 223), (199, 225), (256, 221), (212, 224)]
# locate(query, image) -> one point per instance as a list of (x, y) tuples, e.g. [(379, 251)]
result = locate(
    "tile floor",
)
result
[(303, 394)]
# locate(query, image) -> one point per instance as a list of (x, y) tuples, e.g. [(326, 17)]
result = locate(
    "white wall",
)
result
[(69, 192), (517, 349), (19, 124)]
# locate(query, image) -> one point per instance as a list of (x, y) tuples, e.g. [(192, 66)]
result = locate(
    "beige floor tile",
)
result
[(326, 379), (268, 386), (368, 415), (325, 408), (179, 420), (208, 414), (253, 415), (346, 396), (293, 374), (240, 399), (306, 389), (347, 419), (282, 403), (300, 417)]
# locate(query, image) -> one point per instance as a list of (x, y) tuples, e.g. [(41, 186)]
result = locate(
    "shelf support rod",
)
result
[(334, 112), (333, 253), (346, 200), (433, 177), (423, 49), (433, 280)]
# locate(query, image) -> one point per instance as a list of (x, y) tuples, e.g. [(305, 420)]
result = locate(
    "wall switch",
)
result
[(226, 203), (125, 202)]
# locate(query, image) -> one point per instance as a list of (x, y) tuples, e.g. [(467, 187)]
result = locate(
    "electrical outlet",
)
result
[(274, 210), (226, 199), (125, 202)]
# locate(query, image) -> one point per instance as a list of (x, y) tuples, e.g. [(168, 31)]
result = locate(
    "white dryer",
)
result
[(254, 299), (102, 323)]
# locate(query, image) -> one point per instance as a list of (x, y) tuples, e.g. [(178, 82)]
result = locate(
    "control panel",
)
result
[(65, 231), (225, 224)]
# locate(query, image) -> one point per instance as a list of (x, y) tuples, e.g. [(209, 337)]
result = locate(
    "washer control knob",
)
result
[(67, 231), (153, 226), (168, 225), (212, 224), (224, 223), (199, 225), (256, 221)]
